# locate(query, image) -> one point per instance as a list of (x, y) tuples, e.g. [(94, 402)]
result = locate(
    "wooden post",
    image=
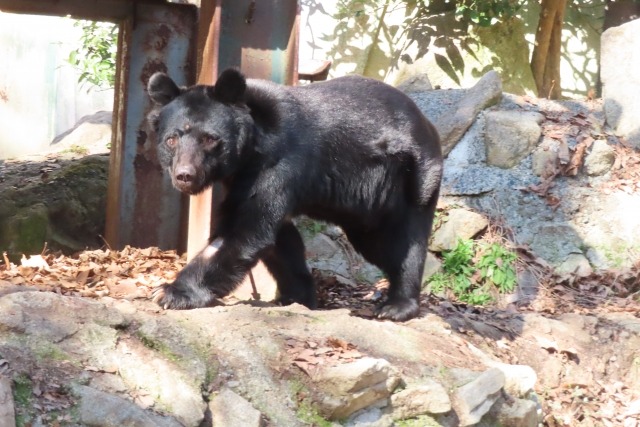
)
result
[(201, 206)]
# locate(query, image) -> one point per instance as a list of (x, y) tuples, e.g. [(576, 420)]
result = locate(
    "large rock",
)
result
[(415, 83), (511, 136), (101, 409), (64, 205), (460, 224), (231, 410), (432, 265), (453, 113), (348, 387), (576, 263), (545, 159), (600, 158), (555, 242), (70, 342), (473, 400), (86, 332), (485, 93), (619, 65), (90, 135), (428, 398), (514, 413)]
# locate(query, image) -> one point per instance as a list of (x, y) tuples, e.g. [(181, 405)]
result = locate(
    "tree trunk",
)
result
[(545, 61)]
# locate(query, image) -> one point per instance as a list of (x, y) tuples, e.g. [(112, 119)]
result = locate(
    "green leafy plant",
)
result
[(497, 267), (95, 55), (77, 149), (485, 13), (473, 272)]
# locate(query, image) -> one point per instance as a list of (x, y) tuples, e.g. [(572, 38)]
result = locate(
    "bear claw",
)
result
[(398, 311), (158, 296), (173, 297)]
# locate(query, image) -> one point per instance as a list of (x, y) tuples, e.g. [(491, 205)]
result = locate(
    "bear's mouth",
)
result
[(190, 188)]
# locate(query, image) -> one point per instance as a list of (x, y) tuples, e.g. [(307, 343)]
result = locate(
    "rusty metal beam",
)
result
[(142, 207), (99, 10), (260, 37)]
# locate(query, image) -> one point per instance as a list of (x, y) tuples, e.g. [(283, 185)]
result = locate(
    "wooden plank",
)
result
[(201, 207)]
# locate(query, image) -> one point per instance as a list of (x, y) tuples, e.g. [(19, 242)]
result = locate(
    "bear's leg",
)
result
[(213, 273), (398, 247), (286, 263), (405, 282)]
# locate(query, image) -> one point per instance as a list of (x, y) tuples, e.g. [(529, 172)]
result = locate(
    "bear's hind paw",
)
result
[(398, 311)]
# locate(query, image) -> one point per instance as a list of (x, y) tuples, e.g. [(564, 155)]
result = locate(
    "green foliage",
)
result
[(473, 272), (77, 149), (309, 414), (22, 390), (487, 12), (477, 12), (306, 411), (95, 55), (497, 267)]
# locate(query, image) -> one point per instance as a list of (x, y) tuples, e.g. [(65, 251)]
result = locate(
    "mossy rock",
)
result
[(25, 231), (66, 209)]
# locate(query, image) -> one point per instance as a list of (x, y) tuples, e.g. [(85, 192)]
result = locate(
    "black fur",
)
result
[(352, 151)]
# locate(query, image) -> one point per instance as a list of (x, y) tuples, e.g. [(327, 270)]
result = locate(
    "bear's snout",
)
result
[(186, 179), (185, 174)]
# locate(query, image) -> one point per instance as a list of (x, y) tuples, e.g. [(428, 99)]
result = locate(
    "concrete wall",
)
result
[(39, 94)]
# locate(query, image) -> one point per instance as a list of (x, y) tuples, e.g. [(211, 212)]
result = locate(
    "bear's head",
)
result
[(201, 130)]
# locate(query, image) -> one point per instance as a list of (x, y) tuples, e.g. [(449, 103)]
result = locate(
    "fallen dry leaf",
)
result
[(34, 261)]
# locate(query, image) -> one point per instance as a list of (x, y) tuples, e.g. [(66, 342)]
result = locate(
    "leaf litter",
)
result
[(130, 273)]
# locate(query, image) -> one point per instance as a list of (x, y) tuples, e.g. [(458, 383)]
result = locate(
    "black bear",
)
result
[(351, 151)]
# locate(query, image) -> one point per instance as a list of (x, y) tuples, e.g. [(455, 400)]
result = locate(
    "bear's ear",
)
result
[(162, 90), (230, 86)]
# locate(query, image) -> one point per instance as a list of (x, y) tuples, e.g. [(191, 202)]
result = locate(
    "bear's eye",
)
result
[(172, 141), (211, 141)]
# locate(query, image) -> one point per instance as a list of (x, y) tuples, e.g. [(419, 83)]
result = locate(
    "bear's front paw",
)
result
[(175, 297), (398, 310)]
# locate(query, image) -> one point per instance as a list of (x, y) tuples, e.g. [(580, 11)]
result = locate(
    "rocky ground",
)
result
[(80, 342)]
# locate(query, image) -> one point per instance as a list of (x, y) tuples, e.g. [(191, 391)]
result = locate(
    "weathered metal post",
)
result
[(142, 207)]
